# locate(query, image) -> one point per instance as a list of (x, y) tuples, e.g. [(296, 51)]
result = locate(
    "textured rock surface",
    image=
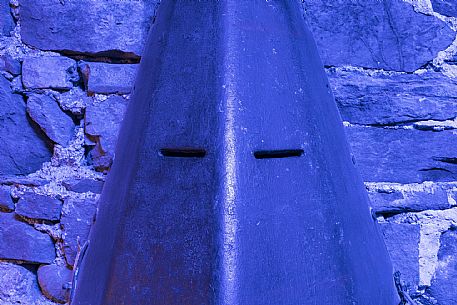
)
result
[(99, 27), (49, 72), (19, 286), (77, 217), (405, 156), (74, 101), (400, 202), (402, 241), (6, 202), (36, 206), (390, 99), (84, 185), (45, 111), (110, 78), (385, 34), (20, 241), (6, 20), (17, 135), (10, 65), (445, 7), (102, 123), (444, 288), (55, 281)]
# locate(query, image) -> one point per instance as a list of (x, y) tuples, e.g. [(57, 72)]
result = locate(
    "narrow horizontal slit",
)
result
[(282, 153), (183, 152)]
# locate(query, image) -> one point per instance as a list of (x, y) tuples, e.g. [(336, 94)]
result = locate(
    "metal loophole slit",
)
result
[(183, 152), (282, 153)]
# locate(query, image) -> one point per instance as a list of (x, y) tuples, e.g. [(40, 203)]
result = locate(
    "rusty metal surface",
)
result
[(233, 181)]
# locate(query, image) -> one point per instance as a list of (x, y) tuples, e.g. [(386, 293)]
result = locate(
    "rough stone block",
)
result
[(443, 287), (19, 286), (22, 149), (49, 72), (97, 27), (391, 99), (84, 185), (36, 206), (445, 7), (20, 241), (109, 78), (77, 218), (55, 282), (102, 122), (10, 65), (386, 34), (409, 201), (402, 241), (6, 20), (6, 202), (45, 111), (404, 156)]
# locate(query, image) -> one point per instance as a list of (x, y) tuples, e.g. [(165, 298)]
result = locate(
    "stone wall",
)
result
[(67, 71)]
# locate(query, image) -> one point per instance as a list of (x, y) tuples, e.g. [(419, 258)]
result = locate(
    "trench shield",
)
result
[(233, 181)]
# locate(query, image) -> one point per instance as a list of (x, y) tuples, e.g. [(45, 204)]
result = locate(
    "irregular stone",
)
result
[(55, 282), (405, 156), (97, 27), (74, 101), (385, 34), (109, 78), (45, 111), (393, 201), (6, 202), (20, 241), (443, 287), (391, 99), (445, 7), (19, 286), (10, 65), (37, 206), (22, 149), (6, 20), (84, 185), (402, 241), (102, 122), (49, 72), (77, 218)]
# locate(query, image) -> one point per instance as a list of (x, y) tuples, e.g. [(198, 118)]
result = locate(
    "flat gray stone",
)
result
[(410, 201), (6, 20), (55, 282), (20, 241), (96, 27), (402, 241), (84, 185), (102, 123), (445, 7), (385, 34), (22, 148), (404, 156), (10, 65), (6, 202), (77, 218), (392, 99), (109, 78), (49, 73), (19, 286), (443, 287), (36, 206), (45, 111)]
